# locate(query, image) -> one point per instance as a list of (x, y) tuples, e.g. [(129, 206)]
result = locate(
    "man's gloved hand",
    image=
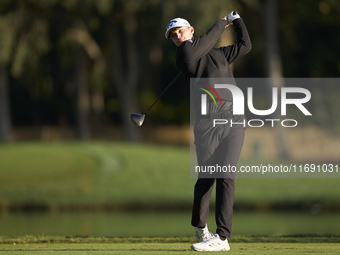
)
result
[(232, 16)]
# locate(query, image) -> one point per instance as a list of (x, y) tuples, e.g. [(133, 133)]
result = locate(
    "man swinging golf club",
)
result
[(197, 58)]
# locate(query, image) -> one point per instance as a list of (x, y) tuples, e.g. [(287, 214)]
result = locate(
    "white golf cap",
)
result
[(178, 22)]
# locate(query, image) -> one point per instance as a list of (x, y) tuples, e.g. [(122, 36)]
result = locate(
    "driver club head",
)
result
[(137, 118)]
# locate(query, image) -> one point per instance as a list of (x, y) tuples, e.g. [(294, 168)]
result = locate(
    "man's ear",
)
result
[(192, 30)]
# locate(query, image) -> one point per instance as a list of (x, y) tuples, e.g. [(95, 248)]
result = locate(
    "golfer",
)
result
[(197, 58)]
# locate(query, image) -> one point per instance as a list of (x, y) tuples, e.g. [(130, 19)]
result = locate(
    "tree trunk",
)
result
[(5, 121), (124, 72), (128, 107), (273, 65), (80, 34), (82, 97)]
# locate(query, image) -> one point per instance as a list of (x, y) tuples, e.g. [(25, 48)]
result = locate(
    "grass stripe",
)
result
[(237, 239)]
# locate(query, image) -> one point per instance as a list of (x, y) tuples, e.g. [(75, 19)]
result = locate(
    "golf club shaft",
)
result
[(162, 93)]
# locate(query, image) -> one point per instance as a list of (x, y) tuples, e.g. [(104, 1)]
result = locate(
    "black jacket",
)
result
[(197, 58)]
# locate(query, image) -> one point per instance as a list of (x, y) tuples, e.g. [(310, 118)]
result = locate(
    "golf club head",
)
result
[(137, 118)]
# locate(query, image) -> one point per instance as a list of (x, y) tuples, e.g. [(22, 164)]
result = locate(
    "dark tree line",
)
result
[(89, 63)]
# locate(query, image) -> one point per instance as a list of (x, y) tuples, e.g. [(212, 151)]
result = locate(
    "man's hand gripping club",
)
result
[(231, 17)]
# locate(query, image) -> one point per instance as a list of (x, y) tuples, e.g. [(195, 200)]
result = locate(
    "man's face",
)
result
[(181, 34)]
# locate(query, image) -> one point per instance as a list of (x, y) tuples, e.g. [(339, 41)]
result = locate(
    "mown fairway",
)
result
[(167, 248)]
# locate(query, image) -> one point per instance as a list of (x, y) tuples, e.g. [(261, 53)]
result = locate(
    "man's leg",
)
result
[(229, 153), (200, 210), (225, 189), (206, 143)]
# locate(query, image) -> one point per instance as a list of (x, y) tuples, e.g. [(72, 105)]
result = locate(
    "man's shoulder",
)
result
[(186, 43), (185, 47)]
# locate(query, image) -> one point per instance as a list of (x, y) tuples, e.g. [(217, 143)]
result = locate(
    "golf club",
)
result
[(138, 118)]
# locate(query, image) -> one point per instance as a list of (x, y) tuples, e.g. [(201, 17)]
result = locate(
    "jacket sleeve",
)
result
[(191, 51), (243, 45)]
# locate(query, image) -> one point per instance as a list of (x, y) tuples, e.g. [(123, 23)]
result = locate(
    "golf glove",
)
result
[(232, 16)]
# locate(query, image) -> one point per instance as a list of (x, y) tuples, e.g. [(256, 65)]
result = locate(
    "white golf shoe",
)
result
[(213, 244), (203, 234)]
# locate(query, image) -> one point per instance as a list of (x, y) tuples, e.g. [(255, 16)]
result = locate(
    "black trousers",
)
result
[(220, 145)]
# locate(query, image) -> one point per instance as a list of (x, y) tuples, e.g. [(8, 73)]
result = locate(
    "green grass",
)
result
[(169, 249), (92, 172), (141, 175), (57, 245), (122, 173), (238, 239)]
